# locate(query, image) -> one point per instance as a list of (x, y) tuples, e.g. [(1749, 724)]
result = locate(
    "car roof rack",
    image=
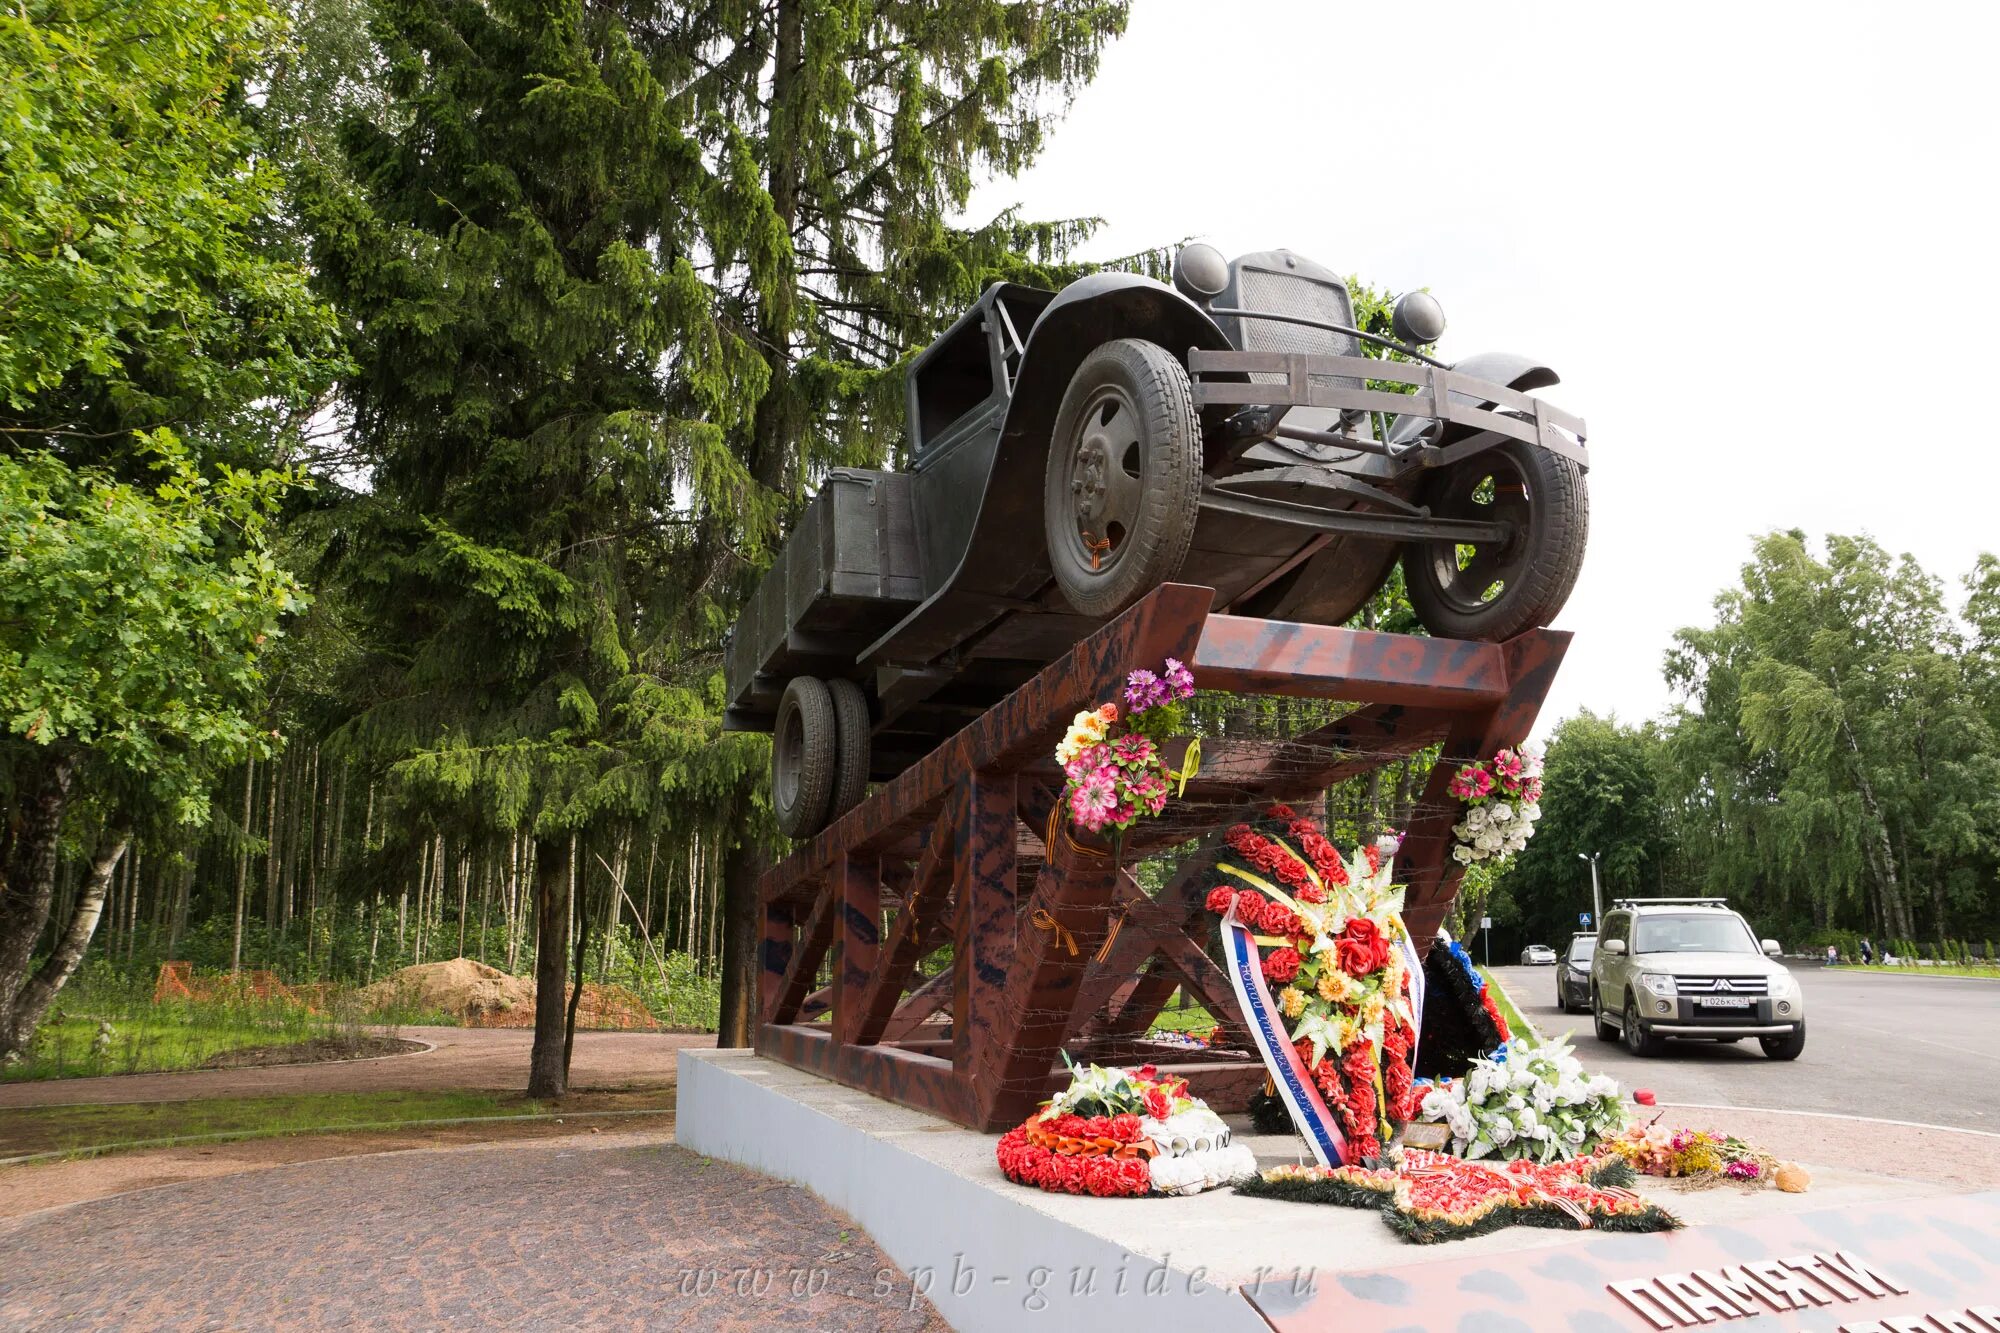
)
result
[(1670, 902)]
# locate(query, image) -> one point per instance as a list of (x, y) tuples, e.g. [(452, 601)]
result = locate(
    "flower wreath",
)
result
[(1427, 1197), (1330, 929), (1123, 1133)]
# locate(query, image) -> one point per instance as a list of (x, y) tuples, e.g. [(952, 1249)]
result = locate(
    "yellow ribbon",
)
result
[(1103, 952), (1041, 920)]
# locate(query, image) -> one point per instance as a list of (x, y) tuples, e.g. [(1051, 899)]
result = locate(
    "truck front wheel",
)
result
[(1124, 477), (1495, 590)]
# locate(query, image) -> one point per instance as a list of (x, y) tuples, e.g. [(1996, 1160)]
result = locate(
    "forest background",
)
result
[(399, 397)]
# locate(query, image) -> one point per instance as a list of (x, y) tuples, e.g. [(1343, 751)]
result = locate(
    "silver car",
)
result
[(1691, 968), (1538, 955)]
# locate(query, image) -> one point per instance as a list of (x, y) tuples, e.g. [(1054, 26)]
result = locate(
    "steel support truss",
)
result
[(1055, 948)]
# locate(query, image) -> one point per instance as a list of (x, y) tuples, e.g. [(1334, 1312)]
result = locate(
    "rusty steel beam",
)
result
[(1164, 623), (857, 885), (916, 923), (801, 965), (983, 876), (1424, 864), (1241, 655), (909, 1078), (1036, 1010), (918, 1007), (1026, 982)]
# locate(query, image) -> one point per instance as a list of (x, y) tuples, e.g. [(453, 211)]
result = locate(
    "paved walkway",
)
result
[(620, 1231), (473, 1059)]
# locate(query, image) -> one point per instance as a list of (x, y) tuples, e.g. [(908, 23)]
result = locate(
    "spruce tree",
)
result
[(868, 124), (545, 395)]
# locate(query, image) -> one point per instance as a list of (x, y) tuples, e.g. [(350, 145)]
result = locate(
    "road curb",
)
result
[(1829, 1115)]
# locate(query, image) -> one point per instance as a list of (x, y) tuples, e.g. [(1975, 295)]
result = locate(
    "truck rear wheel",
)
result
[(1124, 477), (1493, 591), (851, 737), (803, 758)]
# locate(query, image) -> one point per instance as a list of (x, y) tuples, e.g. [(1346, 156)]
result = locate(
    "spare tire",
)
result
[(803, 757), (1123, 485)]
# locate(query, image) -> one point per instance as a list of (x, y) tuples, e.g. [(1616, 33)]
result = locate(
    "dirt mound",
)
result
[(177, 981), (486, 997)]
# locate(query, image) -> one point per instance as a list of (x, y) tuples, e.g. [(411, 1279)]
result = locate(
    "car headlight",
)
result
[(1784, 986), (1660, 985)]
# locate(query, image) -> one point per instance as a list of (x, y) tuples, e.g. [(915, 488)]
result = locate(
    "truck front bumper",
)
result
[(1492, 412), (1721, 1029)]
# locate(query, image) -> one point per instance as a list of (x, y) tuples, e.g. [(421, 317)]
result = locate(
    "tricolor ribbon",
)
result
[(1288, 1072), (1414, 964)]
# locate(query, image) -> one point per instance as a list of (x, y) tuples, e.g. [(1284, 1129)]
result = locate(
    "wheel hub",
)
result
[(1087, 483)]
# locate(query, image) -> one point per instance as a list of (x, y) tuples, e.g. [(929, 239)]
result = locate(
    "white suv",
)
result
[(1690, 967)]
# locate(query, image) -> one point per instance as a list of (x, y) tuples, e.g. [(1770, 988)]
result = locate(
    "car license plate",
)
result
[(1728, 1002)]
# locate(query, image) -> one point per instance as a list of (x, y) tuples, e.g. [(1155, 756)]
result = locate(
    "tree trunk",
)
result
[(27, 1005), (28, 859), (546, 1074), (742, 866), (576, 982), (272, 845), (242, 868)]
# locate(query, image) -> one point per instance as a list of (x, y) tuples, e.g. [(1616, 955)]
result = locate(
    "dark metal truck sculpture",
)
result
[(1070, 451)]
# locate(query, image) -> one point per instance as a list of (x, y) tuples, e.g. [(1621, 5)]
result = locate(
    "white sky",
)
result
[(1755, 239)]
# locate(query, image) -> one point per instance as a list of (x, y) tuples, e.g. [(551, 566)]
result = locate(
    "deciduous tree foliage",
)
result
[(152, 348), (1601, 795), (1833, 766)]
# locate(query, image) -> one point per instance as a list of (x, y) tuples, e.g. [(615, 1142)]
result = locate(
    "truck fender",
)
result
[(1005, 555), (1084, 316), (1515, 371), (1509, 368)]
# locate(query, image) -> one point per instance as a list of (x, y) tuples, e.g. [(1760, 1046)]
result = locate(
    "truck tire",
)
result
[(1637, 1040), (1462, 591), (851, 737), (803, 757), (1788, 1047), (1123, 484)]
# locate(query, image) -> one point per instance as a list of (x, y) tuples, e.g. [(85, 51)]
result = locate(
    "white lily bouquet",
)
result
[(1527, 1101), (1503, 799)]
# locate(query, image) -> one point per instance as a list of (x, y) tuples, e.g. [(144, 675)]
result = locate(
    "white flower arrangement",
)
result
[(1503, 799), (1527, 1101)]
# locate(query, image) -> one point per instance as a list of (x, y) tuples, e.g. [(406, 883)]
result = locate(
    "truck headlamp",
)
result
[(1200, 272)]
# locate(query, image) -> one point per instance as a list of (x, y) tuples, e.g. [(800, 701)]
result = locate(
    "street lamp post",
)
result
[(1596, 894)]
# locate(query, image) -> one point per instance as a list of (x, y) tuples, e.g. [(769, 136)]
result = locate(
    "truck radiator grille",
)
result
[(1288, 294), (1722, 985)]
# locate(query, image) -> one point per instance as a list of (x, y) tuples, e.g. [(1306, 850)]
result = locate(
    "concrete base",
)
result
[(994, 1255)]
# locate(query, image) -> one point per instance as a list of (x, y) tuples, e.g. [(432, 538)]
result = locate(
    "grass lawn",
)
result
[(87, 1130), (105, 1023), (170, 1040), (1193, 1019), (1516, 1022), (1984, 972)]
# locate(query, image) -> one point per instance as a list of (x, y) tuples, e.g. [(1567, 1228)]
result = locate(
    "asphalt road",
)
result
[(1923, 1049)]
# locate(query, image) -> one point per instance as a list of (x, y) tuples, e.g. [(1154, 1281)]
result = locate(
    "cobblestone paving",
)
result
[(624, 1232)]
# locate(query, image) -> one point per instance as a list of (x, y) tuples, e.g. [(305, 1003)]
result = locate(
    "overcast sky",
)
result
[(1755, 240)]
